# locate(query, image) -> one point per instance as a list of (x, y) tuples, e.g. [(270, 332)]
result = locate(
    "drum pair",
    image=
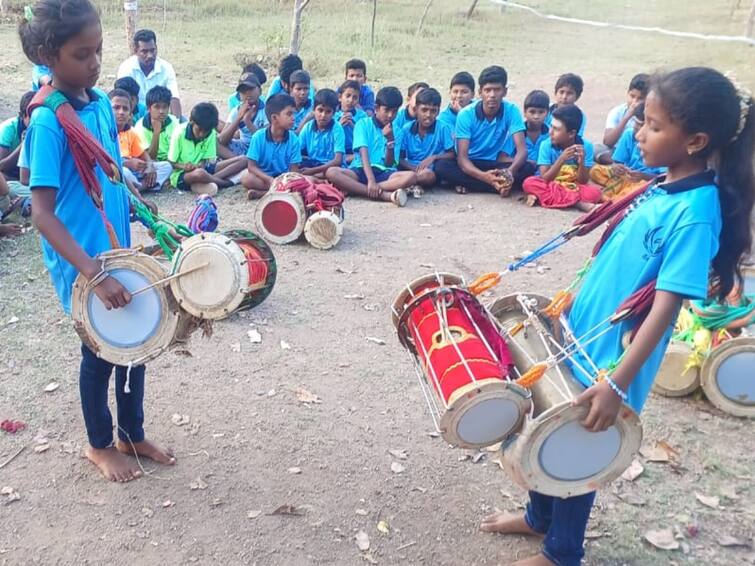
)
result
[(282, 216), (468, 358), (210, 276)]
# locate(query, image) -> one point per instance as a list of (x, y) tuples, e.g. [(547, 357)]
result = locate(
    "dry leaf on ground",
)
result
[(383, 527), (305, 396), (378, 341), (397, 468), (399, 454), (363, 541), (634, 471), (198, 483), (663, 539), (727, 540), (711, 501), (294, 470), (52, 386), (288, 510), (254, 336), (254, 514)]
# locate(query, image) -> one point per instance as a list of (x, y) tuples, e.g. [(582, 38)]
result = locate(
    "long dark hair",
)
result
[(49, 24), (703, 100)]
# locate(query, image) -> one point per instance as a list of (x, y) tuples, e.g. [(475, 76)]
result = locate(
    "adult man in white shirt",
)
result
[(149, 70)]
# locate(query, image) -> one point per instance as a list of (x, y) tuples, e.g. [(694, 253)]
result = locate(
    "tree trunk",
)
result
[(424, 15), (299, 6), (750, 21), (372, 25), (131, 10), (471, 8)]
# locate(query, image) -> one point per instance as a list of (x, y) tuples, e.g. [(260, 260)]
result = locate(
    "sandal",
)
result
[(399, 198)]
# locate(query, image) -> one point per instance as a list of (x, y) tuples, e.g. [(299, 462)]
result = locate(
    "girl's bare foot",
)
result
[(112, 464), (147, 449), (508, 524), (537, 560), (531, 200)]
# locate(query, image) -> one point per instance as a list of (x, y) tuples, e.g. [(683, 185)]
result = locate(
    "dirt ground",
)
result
[(246, 444)]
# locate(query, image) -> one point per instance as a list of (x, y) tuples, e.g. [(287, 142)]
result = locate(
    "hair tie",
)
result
[(744, 96), (28, 14)]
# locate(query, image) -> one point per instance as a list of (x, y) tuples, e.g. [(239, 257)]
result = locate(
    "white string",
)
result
[(127, 386), (594, 23)]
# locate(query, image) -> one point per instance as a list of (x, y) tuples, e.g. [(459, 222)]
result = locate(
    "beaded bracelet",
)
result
[(616, 389)]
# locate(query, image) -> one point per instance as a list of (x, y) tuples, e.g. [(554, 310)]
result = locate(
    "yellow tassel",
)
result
[(561, 301), (484, 282), (532, 375)]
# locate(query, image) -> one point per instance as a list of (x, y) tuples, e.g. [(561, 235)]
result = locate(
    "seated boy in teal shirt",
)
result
[(322, 139), (348, 114), (536, 132), (426, 140), (408, 113), (372, 173), (300, 85), (12, 132), (461, 94), (568, 90), (274, 150)]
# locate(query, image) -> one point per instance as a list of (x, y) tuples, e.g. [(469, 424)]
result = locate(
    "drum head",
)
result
[(420, 286), (217, 289), (487, 413), (674, 378), (556, 456), (280, 217), (141, 330), (728, 378), (323, 229)]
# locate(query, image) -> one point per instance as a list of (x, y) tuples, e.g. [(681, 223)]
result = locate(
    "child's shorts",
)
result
[(307, 163), (380, 175), (184, 186)]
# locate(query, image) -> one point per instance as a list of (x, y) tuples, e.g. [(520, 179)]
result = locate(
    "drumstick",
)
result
[(163, 281)]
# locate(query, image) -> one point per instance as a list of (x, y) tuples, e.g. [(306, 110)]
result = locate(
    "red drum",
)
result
[(280, 217), (462, 361)]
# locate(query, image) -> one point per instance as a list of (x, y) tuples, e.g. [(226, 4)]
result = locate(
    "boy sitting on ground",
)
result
[(356, 70), (462, 94), (535, 110), (259, 73), (408, 114), (138, 168), (565, 160), (274, 150), (348, 114), (129, 84), (621, 117), (322, 139), (628, 171), (482, 129), (12, 132), (426, 140), (246, 118), (193, 154), (300, 85), (568, 89), (372, 173), (282, 83), (156, 129)]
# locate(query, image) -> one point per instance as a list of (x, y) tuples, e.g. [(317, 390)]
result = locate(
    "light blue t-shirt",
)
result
[(487, 137), (402, 119), (415, 148), (51, 165), (368, 132), (274, 158), (549, 119), (448, 116), (301, 113), (366, 99), (319, 145), (549, 154), (37, 72), (10, 133), (627, 152), (276, 87), (533, 147), (259, 121), (357, 114), (671, 237)]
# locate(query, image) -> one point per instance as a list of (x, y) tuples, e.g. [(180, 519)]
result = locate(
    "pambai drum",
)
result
[(461, 362), (240, 273), (728, 376), (138, 332), (675, 378), (323, 229), (280, 217), (554, 454)]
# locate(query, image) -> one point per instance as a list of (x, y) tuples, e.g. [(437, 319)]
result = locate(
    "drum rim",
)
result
[(503, 389), (298, 203), (709, 371), (218, 241), (691, 387), (456, 281), (256, 296), (338, 222), (166, 331), (504, 304), (524, 465)]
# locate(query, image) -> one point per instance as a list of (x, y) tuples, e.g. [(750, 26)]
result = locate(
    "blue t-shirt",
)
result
[(276, 87), (274, 158), (368, 132), (533, 147), (402, 119), (321, 146), (549, 154), (233, 101), (366, 99), (259, 121), (357, 114), (627, 152), (37, 72), (416, 148), (51, 165), (301, 113), (549, 119), (671, 237), (448, 116), (487, 137)]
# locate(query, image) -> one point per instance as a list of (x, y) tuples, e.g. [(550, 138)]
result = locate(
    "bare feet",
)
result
[(584, 206), (537, 560), (252, 194), (531, 200), (112, 464), (147, 449), (508, 524)]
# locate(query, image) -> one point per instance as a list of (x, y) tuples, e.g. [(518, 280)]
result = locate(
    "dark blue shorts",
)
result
[(380, 175), (183, 186)]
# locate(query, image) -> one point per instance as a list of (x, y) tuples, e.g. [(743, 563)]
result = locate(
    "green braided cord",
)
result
[(28, 14), (580, 275), (160, 227), (722, 315)]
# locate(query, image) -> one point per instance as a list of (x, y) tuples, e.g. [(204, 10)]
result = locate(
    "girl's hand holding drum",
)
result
[(603, 406)]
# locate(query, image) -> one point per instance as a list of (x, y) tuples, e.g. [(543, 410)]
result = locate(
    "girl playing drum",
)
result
[(687, 219)]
